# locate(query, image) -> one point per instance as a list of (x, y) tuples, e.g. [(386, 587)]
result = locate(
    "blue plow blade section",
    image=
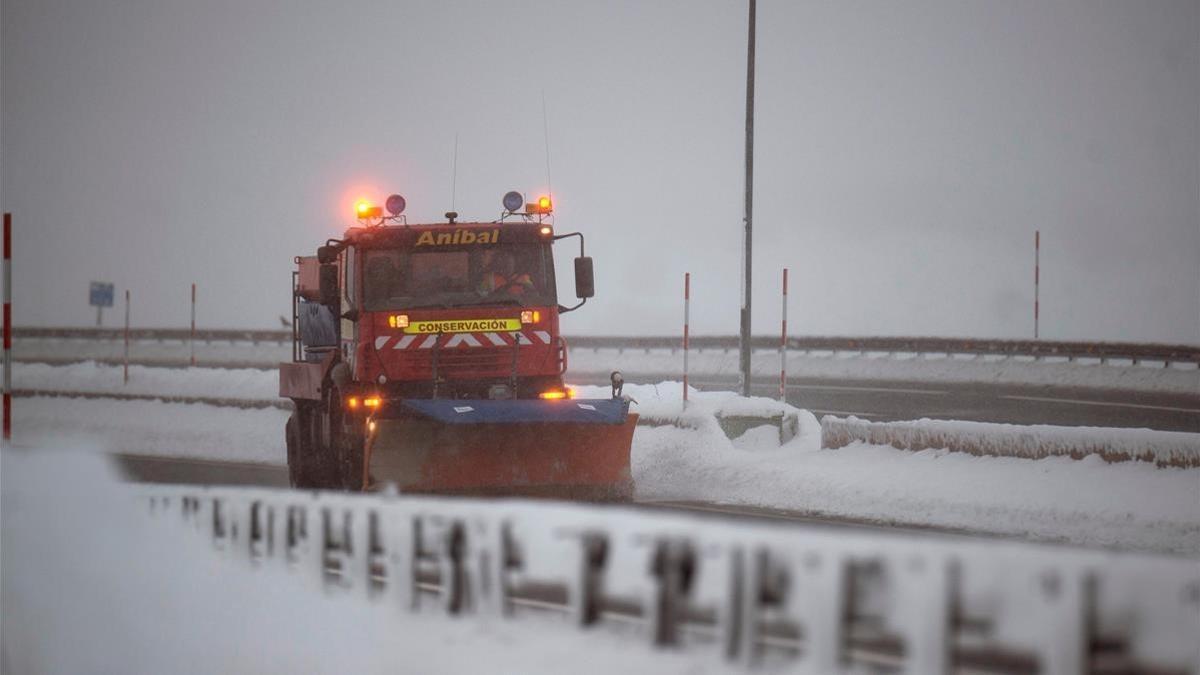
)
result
[(520, 411)]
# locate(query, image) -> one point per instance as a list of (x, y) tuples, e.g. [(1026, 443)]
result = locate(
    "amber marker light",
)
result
[(398, 321), (552, 395), (530, 316), (364, 210), (352, 403), (372, 402)]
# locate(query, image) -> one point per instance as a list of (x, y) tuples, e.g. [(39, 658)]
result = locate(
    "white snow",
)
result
[(152, 428), (88, 376), (1011, 440), (1127, 505), (91, 584)]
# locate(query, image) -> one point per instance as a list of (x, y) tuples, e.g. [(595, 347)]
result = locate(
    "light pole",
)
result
[(749, 202)]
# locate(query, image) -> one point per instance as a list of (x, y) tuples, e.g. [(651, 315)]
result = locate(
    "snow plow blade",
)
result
[(569, 449)]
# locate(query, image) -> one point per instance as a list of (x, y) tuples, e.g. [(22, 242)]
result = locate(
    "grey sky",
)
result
[(906, 153)]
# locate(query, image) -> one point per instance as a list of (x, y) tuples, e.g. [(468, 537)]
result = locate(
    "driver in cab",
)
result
[(501, 277)]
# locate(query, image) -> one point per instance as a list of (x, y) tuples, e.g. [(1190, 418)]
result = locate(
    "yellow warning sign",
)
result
[(462, 326)]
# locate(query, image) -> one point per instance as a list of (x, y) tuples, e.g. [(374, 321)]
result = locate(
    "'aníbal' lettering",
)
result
[(458, 238)]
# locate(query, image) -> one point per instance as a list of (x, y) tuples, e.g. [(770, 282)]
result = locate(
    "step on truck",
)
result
[(429, 357)]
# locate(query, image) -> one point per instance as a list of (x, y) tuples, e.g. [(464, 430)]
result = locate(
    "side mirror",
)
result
[(327, 254), (330, 293), (585, 281)]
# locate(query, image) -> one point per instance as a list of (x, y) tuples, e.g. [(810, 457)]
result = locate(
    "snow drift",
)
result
[(1164, 448)]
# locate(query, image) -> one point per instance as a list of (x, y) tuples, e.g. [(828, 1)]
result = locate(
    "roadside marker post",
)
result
[(687, 298), (126, 336), (1037, 273), (192, 336), (783, 344), (7, 327)]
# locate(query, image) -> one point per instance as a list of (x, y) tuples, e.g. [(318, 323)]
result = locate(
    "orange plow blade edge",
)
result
[(562, 449)]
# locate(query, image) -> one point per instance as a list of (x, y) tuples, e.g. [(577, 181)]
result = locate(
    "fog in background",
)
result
[(905, 155)]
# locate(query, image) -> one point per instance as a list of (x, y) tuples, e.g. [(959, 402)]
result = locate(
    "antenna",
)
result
[(454, 173), (546, 134)]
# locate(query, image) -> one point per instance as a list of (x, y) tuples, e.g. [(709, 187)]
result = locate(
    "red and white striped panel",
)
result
[(460, 340)]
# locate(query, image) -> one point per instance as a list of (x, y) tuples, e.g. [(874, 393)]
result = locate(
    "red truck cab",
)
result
[(430, 356), (463, 310)]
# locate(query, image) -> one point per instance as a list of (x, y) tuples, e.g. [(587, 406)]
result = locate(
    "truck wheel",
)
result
[(346, 441), (298, 450), (311, 462), (351, 450)]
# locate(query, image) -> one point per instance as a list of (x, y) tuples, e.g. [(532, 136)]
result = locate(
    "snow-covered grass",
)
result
[(88, 376), (152, 428), (1166, 448), (1129, 505), (92, 585)]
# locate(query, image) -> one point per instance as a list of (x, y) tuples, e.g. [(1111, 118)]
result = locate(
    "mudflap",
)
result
[(577, 450)]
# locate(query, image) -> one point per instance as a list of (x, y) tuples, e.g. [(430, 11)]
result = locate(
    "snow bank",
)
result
[(662, 404), (152, 428), (1129, 505), (91, 585), (1133, 505), (1043, 602), (1165, 448)]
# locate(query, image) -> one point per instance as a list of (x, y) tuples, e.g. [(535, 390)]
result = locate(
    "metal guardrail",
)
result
[(1103, 351), (162, 334), (754, 595), (916, 345)]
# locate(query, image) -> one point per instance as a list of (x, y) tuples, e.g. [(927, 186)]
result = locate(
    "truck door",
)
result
[(349, 302)]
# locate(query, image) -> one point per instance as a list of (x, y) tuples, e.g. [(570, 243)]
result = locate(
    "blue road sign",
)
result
[(100, 294)]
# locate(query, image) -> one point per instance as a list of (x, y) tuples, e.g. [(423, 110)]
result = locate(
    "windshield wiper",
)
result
[(439, 305), (494, 301)]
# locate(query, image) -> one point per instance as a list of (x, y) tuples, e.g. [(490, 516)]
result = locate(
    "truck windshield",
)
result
[(521, 274)]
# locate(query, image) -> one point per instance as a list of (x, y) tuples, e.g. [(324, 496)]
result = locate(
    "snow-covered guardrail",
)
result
[(1134, 352), (1165, 448), (1103, 351), (821, 601)]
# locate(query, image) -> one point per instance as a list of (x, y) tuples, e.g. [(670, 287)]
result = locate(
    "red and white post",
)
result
[(783, 344), (192, 336), (1037, 273), (7, 327), (687, 299), (126, 336)]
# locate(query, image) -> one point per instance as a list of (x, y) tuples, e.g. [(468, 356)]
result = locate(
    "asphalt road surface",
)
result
[(1010, 404), (189, 471), (895, 400)]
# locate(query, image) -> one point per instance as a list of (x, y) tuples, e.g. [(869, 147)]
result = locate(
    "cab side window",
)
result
[(348, 267)]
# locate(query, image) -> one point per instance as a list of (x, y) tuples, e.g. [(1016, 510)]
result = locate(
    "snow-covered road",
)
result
[(1132, 505)]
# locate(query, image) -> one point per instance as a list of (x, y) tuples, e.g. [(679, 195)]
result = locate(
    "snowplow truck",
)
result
[(429, 357)]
